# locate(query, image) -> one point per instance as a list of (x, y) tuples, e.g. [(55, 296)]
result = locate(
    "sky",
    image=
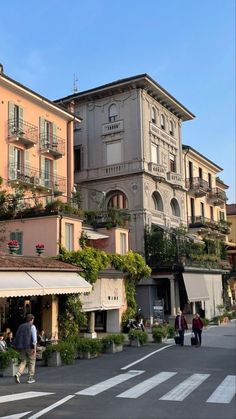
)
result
[(187, 46)]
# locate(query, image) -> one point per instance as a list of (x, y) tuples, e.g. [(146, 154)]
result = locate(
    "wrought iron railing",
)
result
[(25, 131)]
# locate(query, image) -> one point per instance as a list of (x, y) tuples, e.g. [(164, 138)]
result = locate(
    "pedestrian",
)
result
[(3, 345), (181, 326), (197, 326), (26, 342), (9, 339)]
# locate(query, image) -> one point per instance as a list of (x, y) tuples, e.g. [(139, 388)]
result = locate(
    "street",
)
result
[(155, 381)]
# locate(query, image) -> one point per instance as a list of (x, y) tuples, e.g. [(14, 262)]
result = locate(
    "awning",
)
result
[(20, 284), (196, 287), (94, 235)]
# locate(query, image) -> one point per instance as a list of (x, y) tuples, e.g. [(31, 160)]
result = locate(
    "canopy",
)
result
[(20, 284), (196, 287), (94, 235)]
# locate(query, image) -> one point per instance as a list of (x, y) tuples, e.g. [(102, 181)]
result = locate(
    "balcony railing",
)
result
[(174, 178), (157, 170), (113, 127), (217, 196), (53, 145), (221, 227), (22, 132), (198, 186), (30, 176)]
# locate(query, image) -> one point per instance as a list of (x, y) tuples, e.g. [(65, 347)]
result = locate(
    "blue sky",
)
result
[(187, 46)]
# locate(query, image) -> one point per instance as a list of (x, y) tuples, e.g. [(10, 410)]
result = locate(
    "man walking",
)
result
[(25, 342)]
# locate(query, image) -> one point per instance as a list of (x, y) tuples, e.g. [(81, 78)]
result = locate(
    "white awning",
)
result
[(196, 287), (20, 284), (94, 235)]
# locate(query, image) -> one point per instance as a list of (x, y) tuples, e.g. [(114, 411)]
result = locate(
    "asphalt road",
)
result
[(156, 381)]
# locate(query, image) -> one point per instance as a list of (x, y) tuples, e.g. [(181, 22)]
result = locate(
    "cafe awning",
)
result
[(196, 287), (20, 284)]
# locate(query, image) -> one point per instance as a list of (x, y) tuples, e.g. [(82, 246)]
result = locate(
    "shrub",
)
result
[(138, 334), (89, 345), (118, 339), (159, 332), (66, 349), (170, 331), (7, 356), (205, 322)]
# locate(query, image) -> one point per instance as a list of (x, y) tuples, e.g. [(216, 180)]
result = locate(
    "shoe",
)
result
[(31, 380), (17, 378)]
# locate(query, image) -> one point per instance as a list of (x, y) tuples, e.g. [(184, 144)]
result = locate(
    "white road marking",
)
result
[(17, 416), (146, 385), (225, 392), (185, 388), (111, 382), (145, 357), (53, 406), (22, 396)]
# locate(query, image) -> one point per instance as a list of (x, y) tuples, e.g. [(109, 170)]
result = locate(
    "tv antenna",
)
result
[(75, 86)]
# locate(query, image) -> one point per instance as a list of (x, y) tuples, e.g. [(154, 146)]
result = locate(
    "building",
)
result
[(231, 250)]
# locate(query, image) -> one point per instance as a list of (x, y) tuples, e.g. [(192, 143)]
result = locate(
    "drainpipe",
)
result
[(60, 229)]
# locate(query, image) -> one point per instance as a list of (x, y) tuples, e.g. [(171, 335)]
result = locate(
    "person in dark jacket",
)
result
[(25, 342), (181, 326), (197, 326)]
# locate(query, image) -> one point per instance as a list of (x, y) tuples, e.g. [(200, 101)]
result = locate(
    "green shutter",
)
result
[(11, 161), (42, 170), (10, 118), (21, 119), (17, 235), (54, 133), (55, 180), (41, 131), (27, 165)]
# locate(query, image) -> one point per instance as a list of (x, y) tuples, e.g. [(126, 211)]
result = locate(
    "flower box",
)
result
[(54, 360), (12, 369), (113, 348)]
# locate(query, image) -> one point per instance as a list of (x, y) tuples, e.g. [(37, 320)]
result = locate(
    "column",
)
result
[(172, 297), (91, 333)]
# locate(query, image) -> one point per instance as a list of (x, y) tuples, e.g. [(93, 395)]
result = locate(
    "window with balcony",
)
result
[(15, 117), (18, 235), (172, 162), (123, 244), (118, 200), (171, 128), (69, 237), (17, 163), (112, 113), (114, 152), (78, 158), (175, 207), (154, 115), (158, 203), (163, 122)]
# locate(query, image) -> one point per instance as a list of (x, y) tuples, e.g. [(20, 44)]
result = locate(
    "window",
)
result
[(112, 113), (163, 122), (222, 216), (158, 203), (18, 162), (209, 180), (171, 128), (202, 209), (172, 163), (192, 206), (69, 236), (190, 168), (118, 200), (114, 152), (18, 235), (154, 153), (154, 115), (175, 207), (123, 247), (200, 172), (211, 213), (47, 172), (78, 158)]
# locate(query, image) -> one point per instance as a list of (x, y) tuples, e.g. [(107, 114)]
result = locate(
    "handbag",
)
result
[(177, 340)]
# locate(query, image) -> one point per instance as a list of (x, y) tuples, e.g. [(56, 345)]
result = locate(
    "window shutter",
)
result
[(11, 160), (55, 182), (41, 131), (27, 165), (17, 235), (21, 119), (54, 134), (42, 167), (10, 117)]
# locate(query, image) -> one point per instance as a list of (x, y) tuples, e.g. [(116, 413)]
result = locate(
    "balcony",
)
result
[(175, 179), (22, 132), (113, 127), (217, 196), (30, 177), (53, 145), (157, 170), (198, 186)]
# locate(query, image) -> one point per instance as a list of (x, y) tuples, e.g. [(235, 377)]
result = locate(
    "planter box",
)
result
[(135, 342), (113, 348), (54, 360), (11, 370), (87, 355)]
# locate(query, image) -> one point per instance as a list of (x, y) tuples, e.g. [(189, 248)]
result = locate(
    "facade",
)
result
[(231, 217)]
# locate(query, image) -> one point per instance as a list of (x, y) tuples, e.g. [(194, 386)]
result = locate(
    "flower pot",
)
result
[(135, 342), (39, 250), (87, 355), (13, 249), (113, 348), (54, 360), (12, 369)]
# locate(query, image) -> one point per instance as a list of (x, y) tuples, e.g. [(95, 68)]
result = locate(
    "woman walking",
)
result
[(197, 326)]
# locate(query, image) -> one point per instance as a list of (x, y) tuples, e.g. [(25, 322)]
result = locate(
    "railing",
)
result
[(217, 196), (157, 170), (52, 144), (31, 176), (198, 185), (174, 178), (19, 130), (112, 127)]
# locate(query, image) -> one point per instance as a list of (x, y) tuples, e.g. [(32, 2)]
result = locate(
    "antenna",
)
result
[(75, 86)]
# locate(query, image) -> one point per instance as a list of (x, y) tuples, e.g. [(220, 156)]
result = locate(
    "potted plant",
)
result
[(137, 337), (113, 343), (62, 353), (39, 248), (159, 332), (89, 348), (9, 361), (13, 246)]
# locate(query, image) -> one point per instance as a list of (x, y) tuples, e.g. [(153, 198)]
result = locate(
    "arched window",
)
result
[(117, 200), (175, 207), (158, 203), (154, 115), (163, 122), (171, 128), (112, 113)]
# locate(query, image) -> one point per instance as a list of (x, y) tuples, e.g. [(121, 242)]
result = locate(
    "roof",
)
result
[(188, 147), (13, 262), (143, 81), (43, 99), (231, 209)]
